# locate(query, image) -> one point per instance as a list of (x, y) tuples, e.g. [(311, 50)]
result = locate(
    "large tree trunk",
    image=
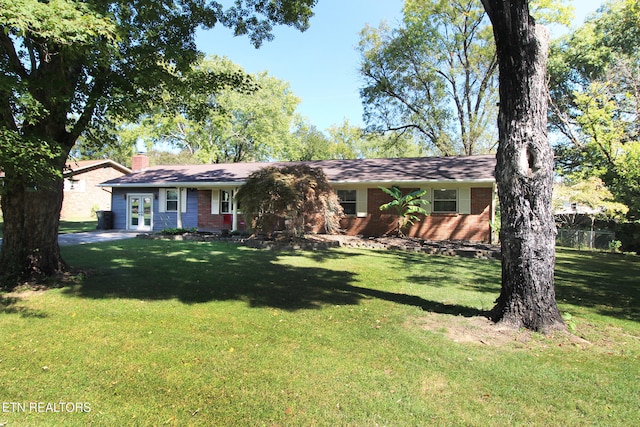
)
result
[(30, 251), (524, 171)]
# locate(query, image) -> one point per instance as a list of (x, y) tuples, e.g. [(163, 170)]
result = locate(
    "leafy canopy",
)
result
[(588, 197), (594, 80), (434, 76), (220, 114), (69, 68)]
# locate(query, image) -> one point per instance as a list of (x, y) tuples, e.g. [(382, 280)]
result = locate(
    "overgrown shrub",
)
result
[(290, 198), (629, 235), (176, 231)]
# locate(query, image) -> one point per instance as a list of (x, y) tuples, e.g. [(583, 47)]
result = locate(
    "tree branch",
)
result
[(14, 59)]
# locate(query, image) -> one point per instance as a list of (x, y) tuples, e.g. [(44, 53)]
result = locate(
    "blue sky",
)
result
[(321, 64)]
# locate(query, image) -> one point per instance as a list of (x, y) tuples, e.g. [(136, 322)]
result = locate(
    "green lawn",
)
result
[(77, 225), (69, 226), (185, 333)]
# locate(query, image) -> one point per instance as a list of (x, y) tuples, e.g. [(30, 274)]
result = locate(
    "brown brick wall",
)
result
[(214, 222), (80, 204), (473, 227)]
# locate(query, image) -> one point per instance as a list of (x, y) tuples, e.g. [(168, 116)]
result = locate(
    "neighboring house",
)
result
[(460, 191), (82, 196)]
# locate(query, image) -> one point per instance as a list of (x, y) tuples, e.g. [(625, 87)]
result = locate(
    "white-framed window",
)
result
[(226, 202), (222, 202), (445, 200), (348, 200), (171, 200)]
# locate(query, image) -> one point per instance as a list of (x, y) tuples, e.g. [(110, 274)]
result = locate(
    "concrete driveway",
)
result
[(95, 237)]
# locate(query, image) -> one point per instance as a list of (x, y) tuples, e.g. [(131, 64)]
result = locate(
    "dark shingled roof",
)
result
[(77, 167), (424, 169)]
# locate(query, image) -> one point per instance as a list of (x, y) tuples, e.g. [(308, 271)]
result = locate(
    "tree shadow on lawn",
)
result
[(440, 271), (607, 283), (11, 305), (197, 273)]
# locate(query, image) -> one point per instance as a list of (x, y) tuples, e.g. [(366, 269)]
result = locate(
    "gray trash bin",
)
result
[(105, 220)]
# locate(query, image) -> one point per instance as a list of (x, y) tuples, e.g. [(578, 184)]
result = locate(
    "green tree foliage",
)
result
[(345, 141), (591, 198), (247, 119), (289, 198), (407, 207), (595, 101), (352, 142), (434, 76), (70, 66), (312, 143)]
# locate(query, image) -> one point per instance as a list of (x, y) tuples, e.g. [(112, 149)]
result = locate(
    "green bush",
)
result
[(176, 231)]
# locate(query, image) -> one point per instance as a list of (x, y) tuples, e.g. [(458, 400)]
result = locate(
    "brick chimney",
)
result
[(139, 162)]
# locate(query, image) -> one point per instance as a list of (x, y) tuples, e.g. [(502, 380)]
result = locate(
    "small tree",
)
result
[(289, 198), (407, 207), (589, 198)]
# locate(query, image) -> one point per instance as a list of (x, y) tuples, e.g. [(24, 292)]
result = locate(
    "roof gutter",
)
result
[(199, 184)]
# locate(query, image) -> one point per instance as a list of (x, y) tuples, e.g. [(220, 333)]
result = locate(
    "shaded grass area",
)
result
[(183, 333), (604, 283), (68, 226), (198, 273), (77, 225)]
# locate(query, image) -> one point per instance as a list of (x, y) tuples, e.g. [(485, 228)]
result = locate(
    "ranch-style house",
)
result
[(460, 190)]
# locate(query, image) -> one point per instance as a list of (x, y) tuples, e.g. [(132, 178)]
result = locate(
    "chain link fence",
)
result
[(585, 239)]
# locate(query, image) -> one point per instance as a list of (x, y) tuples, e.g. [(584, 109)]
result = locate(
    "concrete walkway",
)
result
[(95, 237)]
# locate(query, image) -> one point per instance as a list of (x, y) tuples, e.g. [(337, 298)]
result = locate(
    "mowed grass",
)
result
[(185, 333), (68, 226), (77, 225)]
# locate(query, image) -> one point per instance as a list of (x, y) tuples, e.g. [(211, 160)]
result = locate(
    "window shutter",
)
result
[(183, 199), (215, 202), (361, 203), (162, 200), (464, 201), (427, 197)]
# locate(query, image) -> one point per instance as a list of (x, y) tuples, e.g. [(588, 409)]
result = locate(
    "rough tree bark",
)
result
[(524, 171), (30, 250)]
